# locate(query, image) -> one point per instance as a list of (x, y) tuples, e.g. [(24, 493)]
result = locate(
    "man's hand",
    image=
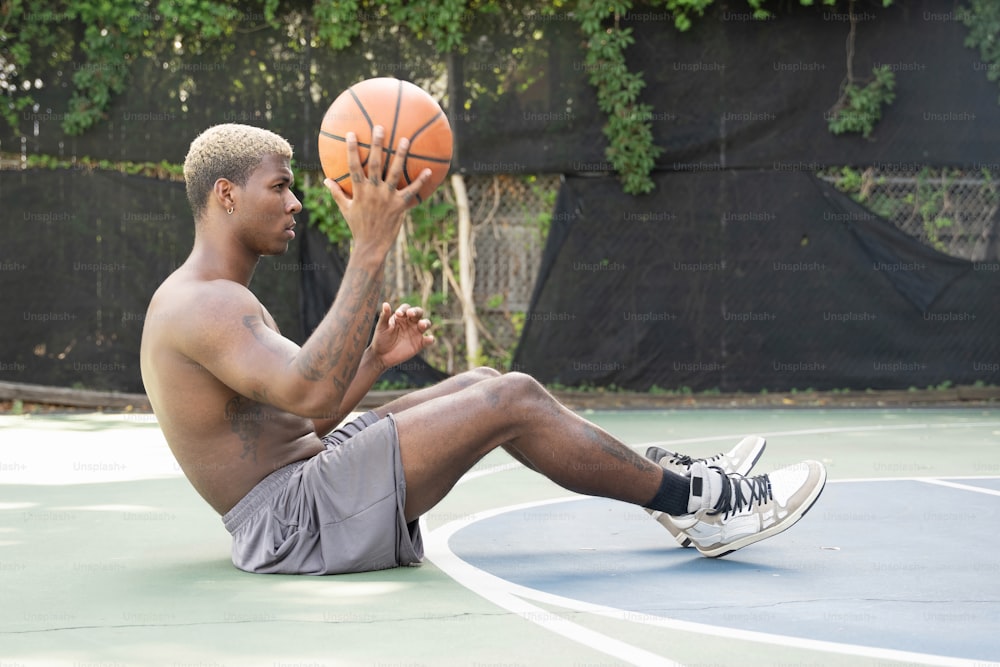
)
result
[(400, 335), (375, 212)]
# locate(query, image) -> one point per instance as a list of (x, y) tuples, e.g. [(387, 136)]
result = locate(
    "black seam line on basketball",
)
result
[(391, 151), (335, 137), (428, 158), (395, 122), (406, 176), (361, 107), (409, 181), (368, 119), (426, 125), (361, 144)]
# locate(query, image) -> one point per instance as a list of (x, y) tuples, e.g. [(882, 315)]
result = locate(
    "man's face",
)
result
[(265, 207)]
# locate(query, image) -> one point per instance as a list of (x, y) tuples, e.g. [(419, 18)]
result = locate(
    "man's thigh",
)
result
[(446, 387), (442, 438)]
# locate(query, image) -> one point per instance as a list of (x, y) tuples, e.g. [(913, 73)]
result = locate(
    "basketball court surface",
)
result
[(108, 557)]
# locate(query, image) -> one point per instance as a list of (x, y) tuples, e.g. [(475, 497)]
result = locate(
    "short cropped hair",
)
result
[(230, 151)]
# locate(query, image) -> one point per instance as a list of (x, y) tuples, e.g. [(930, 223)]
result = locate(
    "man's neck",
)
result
[(214, 260)]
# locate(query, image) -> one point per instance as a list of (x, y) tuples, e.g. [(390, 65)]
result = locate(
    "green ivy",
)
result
[(163, 170), (861, 106), (982, 18), (104, 37), (323, 212), (629, 131), (109, 35)]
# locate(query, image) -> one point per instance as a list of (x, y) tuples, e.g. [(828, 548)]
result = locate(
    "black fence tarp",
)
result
[(82, 253), (765, 280), (740, 93), (728, 276)]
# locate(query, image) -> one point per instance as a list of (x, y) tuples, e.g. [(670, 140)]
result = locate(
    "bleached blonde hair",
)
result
[(230, 151)]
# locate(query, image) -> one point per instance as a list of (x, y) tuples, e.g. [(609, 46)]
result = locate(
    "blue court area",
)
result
[(905, 565), (108, 557), (895, 564)]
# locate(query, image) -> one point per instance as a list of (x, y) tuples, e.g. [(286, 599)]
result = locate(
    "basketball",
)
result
[(404, 110)]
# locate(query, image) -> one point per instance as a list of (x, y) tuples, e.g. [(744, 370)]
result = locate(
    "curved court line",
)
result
[(502, 592), (511, 596)]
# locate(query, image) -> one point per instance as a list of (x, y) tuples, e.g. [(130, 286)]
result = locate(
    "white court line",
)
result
[(511, 596), (821, 431), (502, 593), (930, 480), (963, 487)]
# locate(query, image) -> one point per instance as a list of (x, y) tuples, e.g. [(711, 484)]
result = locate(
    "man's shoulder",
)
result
[(183, 301), (183, 289)]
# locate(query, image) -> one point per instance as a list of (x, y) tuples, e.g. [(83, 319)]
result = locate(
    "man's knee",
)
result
[(482, 373), (522, 385), (503, 390)]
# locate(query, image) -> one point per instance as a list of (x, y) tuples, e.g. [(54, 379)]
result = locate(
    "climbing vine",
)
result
[(982, 18), (99, 42), (101, 39), (859, 106), (629, 132)]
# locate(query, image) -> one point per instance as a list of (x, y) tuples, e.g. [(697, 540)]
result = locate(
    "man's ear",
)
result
[(223, 191)]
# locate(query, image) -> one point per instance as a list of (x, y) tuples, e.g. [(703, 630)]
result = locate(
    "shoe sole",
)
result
[(776, 529)]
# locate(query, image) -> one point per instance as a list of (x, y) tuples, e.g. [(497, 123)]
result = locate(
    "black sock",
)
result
[(672, 497)]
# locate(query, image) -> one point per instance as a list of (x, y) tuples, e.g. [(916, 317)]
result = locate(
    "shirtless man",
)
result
[(251, 417)]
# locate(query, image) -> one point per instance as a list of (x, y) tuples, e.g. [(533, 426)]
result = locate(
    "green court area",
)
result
[(107, 556)]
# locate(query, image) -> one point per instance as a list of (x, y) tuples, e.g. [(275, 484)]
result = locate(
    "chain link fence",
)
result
[(510, 221), (950, 210)]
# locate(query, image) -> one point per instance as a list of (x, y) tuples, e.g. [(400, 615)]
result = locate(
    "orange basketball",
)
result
[(404, 110)]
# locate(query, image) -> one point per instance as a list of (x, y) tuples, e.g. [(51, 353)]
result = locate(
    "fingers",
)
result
[(410, 192), (354, 160), (395, 172), (338, 193), (375, 156), (374, 169), (405, 308), (414, 315)]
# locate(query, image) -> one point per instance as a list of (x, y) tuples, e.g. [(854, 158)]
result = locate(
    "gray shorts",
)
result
[(339, 511)]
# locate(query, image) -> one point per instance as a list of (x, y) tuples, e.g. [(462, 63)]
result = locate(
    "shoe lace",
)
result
[(734, 486), (681, 459), (685, 460)]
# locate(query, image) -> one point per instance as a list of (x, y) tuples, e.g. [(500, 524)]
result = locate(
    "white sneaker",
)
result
[(740, 459), (749, 509)]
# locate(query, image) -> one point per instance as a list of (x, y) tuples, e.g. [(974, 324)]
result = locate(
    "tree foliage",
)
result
[(99, 41), (982, 17)]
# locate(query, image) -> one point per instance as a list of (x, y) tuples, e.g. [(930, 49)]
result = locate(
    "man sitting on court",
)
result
[(252, 418)]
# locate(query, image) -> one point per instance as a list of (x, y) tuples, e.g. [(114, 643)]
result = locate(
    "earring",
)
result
[(230, 210)]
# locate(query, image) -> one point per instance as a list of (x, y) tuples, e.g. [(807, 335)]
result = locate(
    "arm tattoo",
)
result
[(336, 351), (258, 327)]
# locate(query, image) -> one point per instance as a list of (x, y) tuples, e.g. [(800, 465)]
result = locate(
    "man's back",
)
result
[(224, 442)]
